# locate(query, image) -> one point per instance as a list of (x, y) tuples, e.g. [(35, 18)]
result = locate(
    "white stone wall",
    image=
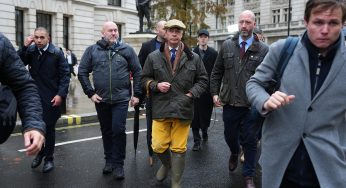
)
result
[(272, 31), (86, 18)]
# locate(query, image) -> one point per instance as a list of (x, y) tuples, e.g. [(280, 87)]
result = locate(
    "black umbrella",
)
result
[(136, 127)]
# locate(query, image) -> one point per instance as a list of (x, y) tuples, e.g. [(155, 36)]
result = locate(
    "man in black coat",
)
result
[(146, 49), (14, 74), (111, 91), (49, 69), (203, 105), (71, 60)]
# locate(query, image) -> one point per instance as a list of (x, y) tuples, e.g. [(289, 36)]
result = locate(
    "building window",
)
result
[(258, 18), (231, 2), (65, 32), (19, 28), (286, 12), (276, 15), (119, 29), (231, 19), (44, 20), (114, 3)]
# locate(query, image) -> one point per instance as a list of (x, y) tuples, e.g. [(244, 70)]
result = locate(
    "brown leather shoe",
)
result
[(233, 162), (248, 182)]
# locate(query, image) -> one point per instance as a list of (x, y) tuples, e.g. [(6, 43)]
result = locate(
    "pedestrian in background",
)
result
[(259, 34), (146, 49), (304, 133), (235, 63), (14, 74), (49, 69), (203, 106), (176, 76), (110, 61), (71, 60)]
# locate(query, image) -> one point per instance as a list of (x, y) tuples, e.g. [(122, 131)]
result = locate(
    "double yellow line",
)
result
[(72, 119)]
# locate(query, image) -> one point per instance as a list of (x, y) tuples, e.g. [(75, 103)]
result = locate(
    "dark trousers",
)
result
[(148, 114), (203, 108), (290, 184), (112, 118), (241, 124), (50, 117)]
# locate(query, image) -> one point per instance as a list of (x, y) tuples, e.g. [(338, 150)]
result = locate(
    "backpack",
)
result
[(285, 55), (8, 112)]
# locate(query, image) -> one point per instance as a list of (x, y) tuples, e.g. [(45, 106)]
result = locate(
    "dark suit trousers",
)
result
[(241, 124), (112, 118), (50, 117)]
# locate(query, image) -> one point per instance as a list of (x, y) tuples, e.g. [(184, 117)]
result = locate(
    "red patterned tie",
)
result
[(242, 49)]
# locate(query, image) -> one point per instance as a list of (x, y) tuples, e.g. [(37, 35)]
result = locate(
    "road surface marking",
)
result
[(84, 139)]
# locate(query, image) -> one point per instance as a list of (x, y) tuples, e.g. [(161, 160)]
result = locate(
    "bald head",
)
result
[(107, 25), (110, 32), (160, 24), (160, 30), (246, 24), (248, 13)]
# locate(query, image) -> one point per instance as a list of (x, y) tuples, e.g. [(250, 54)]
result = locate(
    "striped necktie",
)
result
[(172, 55)]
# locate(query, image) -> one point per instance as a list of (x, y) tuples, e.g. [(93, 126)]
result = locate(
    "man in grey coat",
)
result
[(304, 133)]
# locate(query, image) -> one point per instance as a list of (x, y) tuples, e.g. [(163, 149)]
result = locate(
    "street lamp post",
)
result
[(289, 18)]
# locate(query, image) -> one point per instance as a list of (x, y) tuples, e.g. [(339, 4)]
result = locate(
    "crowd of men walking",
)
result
[(303, 136)]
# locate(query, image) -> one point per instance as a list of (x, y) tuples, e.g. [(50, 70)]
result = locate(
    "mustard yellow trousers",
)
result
[(170, 133)]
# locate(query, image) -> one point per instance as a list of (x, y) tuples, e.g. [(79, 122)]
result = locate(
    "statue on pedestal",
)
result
[(143, 8)]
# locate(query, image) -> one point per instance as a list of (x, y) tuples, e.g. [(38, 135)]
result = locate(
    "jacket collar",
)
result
[(255, 46)]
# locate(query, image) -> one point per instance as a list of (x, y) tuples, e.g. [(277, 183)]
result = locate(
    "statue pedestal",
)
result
[(135, 40)]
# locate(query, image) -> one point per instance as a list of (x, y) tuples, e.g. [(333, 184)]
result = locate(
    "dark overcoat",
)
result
[(51, 74), (204, 104)]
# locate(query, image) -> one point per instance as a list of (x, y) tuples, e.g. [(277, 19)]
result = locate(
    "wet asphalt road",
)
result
[(79, 162)]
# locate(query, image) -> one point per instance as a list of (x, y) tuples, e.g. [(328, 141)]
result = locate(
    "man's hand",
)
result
[(96, 99), (33, 141), (29, 40), (134, 101), (216, 101), (277, 100), (189, 94), (57, 100), (163, 87)]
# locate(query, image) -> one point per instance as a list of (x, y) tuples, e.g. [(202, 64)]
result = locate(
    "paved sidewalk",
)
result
[(79, 108)]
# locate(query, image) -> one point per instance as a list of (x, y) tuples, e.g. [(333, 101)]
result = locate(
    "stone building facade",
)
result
[(73, 24), (76, 24), (271, 17)]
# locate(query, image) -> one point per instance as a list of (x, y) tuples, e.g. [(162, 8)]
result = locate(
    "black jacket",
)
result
[(230, 73), (51, 74), (73, 59), (14, 74), (146, 49), (208, 60), (110, 67)]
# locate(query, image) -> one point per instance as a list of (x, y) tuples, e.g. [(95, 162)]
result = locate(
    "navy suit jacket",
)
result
[(51, 74), (147, 48)]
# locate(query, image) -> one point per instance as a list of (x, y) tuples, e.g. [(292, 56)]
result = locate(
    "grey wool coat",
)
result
[(320, 122)]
